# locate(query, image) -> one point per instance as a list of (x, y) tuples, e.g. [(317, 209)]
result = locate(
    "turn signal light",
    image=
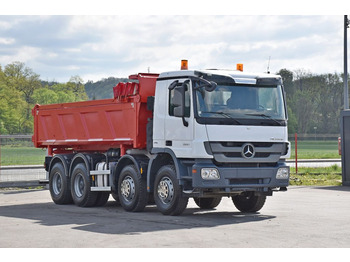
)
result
[(240, 67), (184, 65)]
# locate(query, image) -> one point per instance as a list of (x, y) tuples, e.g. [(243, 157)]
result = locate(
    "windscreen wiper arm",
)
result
[(224, 114), (267, 117)]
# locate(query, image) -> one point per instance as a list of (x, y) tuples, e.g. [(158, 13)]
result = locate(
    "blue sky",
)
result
[(59, 46)]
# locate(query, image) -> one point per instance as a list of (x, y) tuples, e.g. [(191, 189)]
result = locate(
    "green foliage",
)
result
[(21, 89), (102, 89), (314, 101)]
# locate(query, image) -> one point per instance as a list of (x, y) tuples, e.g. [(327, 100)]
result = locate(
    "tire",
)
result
[(208, 202), (168, 193), (247, 202), (81, 187), (102, 199), (132, 190), (59, 185)]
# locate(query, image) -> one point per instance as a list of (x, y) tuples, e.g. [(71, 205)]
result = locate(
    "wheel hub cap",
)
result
[(127, 188), (79, 185), (57, 184), (165, 190)]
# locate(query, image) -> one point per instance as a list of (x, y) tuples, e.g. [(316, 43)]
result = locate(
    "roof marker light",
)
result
[(184, 65), (240, 67)]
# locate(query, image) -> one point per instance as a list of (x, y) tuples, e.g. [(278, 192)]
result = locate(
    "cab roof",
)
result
[(238, 76)]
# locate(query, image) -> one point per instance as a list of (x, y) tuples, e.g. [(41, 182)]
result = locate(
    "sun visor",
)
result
[(245, 81)]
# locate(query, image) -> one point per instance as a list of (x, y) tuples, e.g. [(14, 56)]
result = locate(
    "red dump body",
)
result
[(97, 125)]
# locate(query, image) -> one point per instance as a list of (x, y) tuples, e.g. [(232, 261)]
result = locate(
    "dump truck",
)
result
[(165, 138)]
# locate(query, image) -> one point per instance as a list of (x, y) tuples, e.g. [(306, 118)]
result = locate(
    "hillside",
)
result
[(102, 89)]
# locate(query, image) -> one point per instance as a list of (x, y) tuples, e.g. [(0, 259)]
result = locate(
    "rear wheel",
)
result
[(81, 187), (132, 190), (248, 202), (208, 202), (168, 193), (59, 185)]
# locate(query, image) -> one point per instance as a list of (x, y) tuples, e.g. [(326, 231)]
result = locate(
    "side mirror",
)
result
[(179, 99)]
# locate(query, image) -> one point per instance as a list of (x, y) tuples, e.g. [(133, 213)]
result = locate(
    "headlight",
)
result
[(210, 173), (282, 173)]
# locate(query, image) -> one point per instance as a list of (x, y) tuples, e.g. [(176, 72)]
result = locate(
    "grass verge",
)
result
[(316, 149), (325, 176), (11, 155)]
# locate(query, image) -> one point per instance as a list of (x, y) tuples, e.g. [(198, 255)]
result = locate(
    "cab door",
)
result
[(179, 118)]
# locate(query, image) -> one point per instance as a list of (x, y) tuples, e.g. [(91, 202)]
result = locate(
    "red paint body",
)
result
[(97, 125)]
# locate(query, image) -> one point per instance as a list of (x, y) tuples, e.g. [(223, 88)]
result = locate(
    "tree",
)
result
[(21, 88), (45, 96), (76, 85), (287, 79), (328, 102), (21, 78), (12, 110)]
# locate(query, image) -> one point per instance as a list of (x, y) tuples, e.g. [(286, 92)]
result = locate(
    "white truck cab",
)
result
[(226, 133)]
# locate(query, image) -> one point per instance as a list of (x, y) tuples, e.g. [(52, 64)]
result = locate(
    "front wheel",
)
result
[(248, 202), (168, 193), (132, 190)]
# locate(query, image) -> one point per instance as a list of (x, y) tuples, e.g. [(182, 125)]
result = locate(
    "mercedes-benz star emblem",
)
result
[(248, 150)]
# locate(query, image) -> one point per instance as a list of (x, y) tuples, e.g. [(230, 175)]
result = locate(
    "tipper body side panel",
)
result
[(97, 125)]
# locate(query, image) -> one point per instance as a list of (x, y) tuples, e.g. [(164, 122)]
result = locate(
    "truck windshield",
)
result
[(241, 104)]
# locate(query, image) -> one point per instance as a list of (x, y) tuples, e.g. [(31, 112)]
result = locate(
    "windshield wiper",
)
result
[(224, 114), (267, 117)]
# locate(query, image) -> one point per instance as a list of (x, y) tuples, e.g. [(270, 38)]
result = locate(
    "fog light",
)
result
[(282, 173), (210, 173)]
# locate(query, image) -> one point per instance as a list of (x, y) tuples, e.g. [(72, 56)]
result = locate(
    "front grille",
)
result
[(231, 152)]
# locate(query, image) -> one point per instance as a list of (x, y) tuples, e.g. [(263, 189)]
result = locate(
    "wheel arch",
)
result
[(64, 160), (139, 161), (89, 160), (164, 157), (80, 158)]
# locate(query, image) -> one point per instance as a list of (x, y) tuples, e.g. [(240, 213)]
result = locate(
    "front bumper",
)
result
[(240, 178)]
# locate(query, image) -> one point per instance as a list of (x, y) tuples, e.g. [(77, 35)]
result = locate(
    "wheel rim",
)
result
[(79, 185), (127, 188), (165, 190), (57, 183)]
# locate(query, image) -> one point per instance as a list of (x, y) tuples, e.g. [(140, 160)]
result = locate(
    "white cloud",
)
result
[(94, 46), (6, 41)]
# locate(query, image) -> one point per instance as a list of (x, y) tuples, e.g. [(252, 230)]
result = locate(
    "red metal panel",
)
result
[(97, 125), (147, 84)]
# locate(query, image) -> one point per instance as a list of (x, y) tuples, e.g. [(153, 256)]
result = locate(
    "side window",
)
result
[(187, 101)]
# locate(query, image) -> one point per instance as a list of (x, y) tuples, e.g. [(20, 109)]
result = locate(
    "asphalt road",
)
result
[(301, 217)]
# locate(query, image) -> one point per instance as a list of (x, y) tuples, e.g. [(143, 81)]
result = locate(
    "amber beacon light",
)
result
[(240, 67), (184, 65)]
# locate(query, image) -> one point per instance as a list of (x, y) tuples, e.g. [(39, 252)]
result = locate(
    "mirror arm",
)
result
[(184, 122), (209, 85), (173, 85)]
